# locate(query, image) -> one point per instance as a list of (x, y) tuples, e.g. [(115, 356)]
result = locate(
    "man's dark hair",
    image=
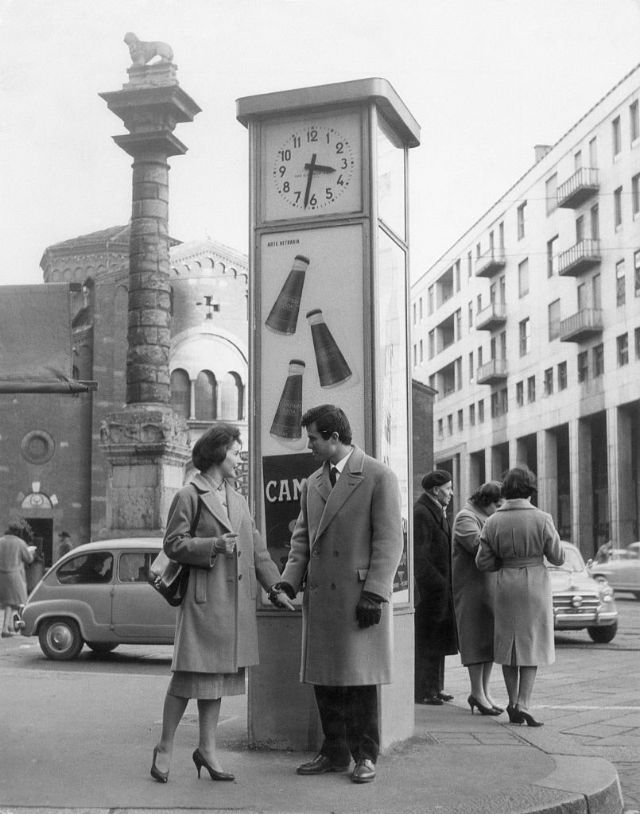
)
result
[(211, 448), (518, 482), (21, 529), (487, 494), (328, 419)]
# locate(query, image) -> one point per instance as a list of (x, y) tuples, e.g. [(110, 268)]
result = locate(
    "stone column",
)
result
[(146, 443)]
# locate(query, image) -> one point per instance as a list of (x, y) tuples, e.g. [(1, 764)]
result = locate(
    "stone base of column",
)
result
[(147, 449)]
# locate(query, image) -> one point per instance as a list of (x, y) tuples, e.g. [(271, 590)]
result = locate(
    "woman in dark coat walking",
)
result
[(514, 542), (435, 627), (210, 529), (473, 595)]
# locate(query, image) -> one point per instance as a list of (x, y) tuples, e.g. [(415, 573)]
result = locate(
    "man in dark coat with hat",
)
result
[(435, 627)]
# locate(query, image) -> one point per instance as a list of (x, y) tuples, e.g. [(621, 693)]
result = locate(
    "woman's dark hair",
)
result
[(21, 529), (328, 419), (211, 448), (488, 493), (518, 482)]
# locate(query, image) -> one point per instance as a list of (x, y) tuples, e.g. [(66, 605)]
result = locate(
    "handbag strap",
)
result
[(196, 518)]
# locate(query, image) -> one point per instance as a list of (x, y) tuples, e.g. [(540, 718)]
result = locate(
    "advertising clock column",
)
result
[(328, 324)]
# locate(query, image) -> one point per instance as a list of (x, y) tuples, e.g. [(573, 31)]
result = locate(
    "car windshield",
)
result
[(572, 562)]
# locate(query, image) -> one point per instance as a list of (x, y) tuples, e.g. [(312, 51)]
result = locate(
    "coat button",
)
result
[(240, 577)]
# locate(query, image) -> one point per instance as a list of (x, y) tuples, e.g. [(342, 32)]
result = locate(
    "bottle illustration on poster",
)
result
[(332, 366), (283, 317), (286, 424)]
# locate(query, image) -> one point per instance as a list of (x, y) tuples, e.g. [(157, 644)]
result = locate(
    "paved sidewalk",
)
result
[(91, 750)]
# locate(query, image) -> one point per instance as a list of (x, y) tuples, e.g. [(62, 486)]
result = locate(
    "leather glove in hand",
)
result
[(275, 589), (368, 610)]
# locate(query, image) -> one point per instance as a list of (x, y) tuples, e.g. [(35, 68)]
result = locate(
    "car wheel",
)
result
[(602, 635), (60, 639), (102, 647)]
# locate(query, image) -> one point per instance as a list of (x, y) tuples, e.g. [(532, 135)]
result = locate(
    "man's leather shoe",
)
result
[(444, 696), (320, 765), (364, 772), (432, 700)]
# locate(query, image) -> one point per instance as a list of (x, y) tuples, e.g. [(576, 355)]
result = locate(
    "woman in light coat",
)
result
[(514, 542), (473, 595), (210, 529), (15, 553)]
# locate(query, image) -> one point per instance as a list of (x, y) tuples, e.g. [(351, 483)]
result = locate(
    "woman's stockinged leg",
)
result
[(525, 690), (172, 713), (487, 667), (511, 676), (476, 672), (208, 714)]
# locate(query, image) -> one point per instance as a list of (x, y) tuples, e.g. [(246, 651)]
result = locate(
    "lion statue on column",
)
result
[(143, 52)]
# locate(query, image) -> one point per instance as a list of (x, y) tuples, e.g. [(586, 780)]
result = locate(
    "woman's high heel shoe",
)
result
[(515, 716), (161, 777), (529, 719), (199, 760), (473, 702)]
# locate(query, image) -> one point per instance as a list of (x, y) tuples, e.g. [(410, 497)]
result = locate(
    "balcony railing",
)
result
[(579, 258), (580, 187), (490, 263), (491, 317), (580, 326), (492, 372)]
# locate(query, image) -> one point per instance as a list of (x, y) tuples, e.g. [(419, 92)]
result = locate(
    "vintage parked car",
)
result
[(621, 570), (98, 594), (580, 601)]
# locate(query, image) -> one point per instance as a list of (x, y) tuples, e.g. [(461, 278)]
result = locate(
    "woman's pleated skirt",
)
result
[(206, 685)]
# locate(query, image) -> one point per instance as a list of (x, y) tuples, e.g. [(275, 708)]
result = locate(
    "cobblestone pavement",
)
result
[(589, 699)]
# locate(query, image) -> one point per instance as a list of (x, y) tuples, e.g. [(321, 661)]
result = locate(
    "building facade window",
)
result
[(432, 344), (620, 283), (636, 334), (598, 360), (525, 336), (531, 389), (431, 299), (635, 195), (562, 376), (520, 394), (472, 372), (440, 428), (636, 273), (481, 411), (470, 315), (634, 121), (523, 277), (520, 220), (594, 217), (420, 308), (503, 400), (583, 366), (472, 415), (622, 343), (450, 423), (494, 405), (469, 265), (415, 313), (548, 381), (616, 137), (554, 320), (617, 208), (460, 420), (551, 193), (593, 152), (552, 256), (421, 352), (415, 355)]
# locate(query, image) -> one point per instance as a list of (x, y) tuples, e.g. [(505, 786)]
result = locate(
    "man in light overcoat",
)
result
[(345, 549)]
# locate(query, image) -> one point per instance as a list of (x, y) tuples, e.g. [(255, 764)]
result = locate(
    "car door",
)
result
[(138, 611), (87, 579)]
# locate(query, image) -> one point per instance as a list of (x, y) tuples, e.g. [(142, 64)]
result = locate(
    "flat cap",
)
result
[(437, 477)]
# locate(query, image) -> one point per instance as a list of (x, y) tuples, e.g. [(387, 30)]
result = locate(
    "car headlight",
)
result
[(606, 591)]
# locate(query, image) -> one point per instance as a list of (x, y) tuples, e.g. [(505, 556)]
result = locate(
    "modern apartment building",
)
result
[(528, 328)]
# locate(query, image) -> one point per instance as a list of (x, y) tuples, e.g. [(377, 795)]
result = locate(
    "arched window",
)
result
[(180, 392), (205, 396), (231, 397)]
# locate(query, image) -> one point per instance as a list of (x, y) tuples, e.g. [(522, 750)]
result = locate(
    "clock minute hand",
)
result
[(310, 169)]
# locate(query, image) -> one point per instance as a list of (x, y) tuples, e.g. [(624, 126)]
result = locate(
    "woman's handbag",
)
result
[(168, 577)]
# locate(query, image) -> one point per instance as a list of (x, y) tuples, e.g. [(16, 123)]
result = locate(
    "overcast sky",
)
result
[(485, 79)]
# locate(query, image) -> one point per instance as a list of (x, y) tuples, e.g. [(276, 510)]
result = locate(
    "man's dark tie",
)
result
[(333, 475)]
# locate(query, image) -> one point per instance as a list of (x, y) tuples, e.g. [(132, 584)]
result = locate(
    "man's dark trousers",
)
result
[(349, 717)]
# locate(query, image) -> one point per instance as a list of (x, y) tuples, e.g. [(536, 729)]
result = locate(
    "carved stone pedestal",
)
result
[(147, 448)]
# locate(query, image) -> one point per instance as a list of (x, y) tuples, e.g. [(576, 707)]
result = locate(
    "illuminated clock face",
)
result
[(313, 167)]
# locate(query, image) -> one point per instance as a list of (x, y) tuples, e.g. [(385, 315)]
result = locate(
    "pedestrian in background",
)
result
[(345, 549), (210, 529), (64, 544), (514, 542), (435, 627), (15, 553), (473, 595)]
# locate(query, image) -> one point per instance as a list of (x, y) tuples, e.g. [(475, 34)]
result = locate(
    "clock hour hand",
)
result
[(310, 167), (320, 168)]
